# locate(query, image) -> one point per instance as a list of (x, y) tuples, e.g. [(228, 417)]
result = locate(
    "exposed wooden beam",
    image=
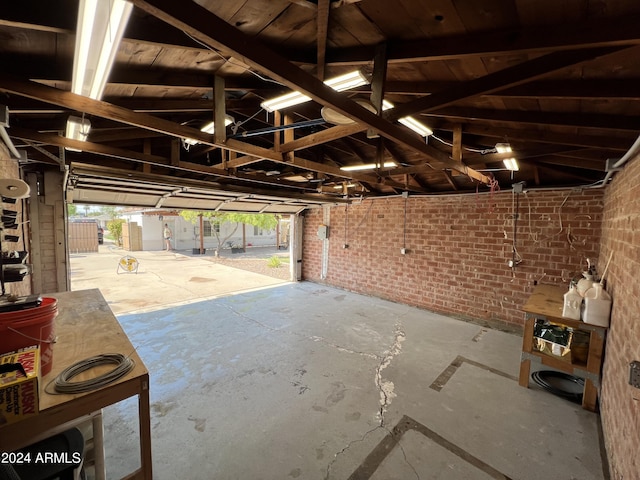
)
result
[(319, 138), (597, 32), (507, 77), (305, 4), (322, 19), (216, 33), (520, 154), (113, 112), (541, 136), (378, 82), (219, 111), (615, 123)]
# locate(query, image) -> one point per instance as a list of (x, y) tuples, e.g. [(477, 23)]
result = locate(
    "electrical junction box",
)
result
[(323, 232), (634, 375)]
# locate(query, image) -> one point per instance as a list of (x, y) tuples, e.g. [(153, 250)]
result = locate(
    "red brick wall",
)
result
[(620, 403), (458, 248), (9, 169)]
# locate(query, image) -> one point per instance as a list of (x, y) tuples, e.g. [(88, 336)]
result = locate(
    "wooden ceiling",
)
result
[(558, 80)]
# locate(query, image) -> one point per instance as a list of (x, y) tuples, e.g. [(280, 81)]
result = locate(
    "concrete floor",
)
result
[(306, 381), (162, 279)]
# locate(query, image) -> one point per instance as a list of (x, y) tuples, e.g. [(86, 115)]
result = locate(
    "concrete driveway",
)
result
[(163, 279)]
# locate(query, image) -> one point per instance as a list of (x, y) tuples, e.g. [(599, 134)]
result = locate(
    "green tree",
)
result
[(72, 209), (112, 211), (261, 220), (115, 229)]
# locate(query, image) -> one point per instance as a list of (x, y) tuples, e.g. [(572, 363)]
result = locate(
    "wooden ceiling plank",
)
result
[(507, 77), (518, 153), (216, 33), (597, 32), (604, 122), (539, 136)]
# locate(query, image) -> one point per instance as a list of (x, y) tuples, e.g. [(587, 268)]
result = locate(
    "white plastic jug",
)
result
[(572, 303), (585, 283), (597, 306)]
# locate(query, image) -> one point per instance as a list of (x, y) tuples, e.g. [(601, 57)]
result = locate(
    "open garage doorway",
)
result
[(135, 278)]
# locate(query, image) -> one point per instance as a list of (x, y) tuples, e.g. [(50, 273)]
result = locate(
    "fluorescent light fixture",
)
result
[(77, 129), (210, 128), (416, 126), (348, 185), (409, 122), (340, 84), (503, 148), (509, 163), (99, 30), (100, 27), (367, 166)]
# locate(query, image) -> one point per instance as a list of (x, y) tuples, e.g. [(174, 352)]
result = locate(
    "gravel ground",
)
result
[(256, 265)]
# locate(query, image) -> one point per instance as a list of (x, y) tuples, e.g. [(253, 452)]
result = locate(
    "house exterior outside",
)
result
[(186, 234)]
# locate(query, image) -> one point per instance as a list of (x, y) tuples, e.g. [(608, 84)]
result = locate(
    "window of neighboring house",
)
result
[(256, 231), (207, 228)]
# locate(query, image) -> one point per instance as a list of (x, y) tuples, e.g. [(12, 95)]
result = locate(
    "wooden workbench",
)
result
[(85, 327), (546, 303)]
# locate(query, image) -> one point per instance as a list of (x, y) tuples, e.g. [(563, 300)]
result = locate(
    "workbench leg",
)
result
[(98, 446), (525, 369), (589, 396), (144, 412), (527, 345)]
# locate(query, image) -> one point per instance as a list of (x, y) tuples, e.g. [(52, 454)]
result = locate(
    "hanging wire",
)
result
[(264, 79), (404, 227), (346, 224)]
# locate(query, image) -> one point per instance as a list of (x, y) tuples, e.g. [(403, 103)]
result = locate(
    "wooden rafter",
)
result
[(507, 77), (214, 32), (597, 32), (322, 19), (617, 123)]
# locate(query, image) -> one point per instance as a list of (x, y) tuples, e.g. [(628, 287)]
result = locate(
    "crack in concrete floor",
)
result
[(386, 388)]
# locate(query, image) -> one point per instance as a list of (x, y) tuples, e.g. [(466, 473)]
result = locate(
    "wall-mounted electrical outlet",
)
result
[(634, 374), (403, 251)]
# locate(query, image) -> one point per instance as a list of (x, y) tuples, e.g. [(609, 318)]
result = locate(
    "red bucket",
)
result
[(31, 326)]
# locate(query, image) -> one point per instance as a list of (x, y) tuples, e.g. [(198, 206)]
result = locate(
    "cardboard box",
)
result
[(19, 392), (565, 343)]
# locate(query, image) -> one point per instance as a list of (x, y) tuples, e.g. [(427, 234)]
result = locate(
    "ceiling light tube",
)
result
[(100, 27), (77, 129), (409, 122), (511, 164), (340, 84), (416, 126), (210, 128), (503, 148), (367, 166)]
